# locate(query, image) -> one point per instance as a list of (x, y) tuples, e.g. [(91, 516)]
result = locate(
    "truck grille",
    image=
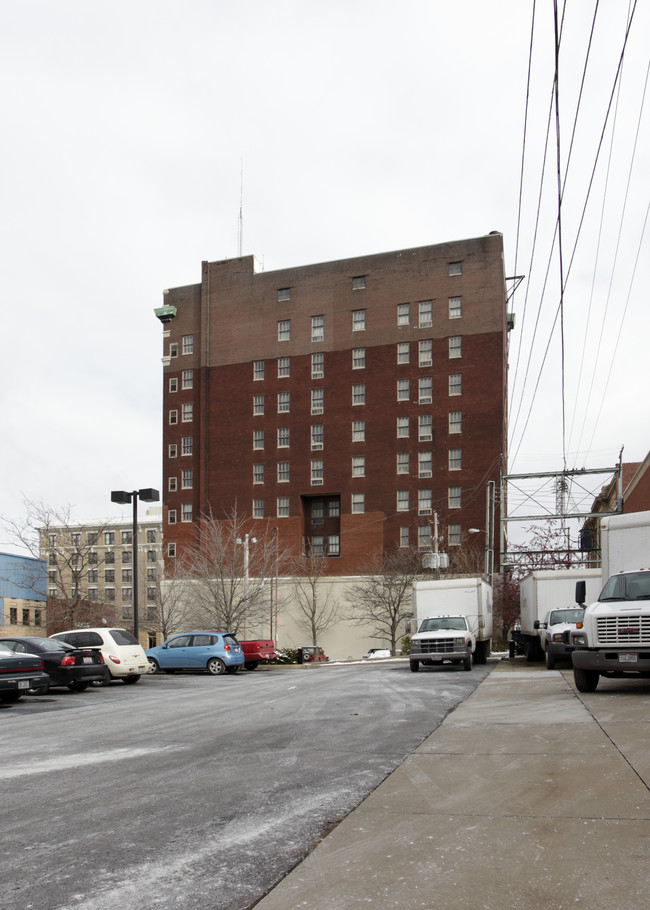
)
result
[(624, 630), (437, 646)]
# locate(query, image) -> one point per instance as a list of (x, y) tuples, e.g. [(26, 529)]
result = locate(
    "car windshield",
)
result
[(572, 615), (631, 586), (443, 623), (122, 637)]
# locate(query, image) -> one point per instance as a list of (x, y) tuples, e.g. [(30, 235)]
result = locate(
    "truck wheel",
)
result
[(414, 665), (585, 680), (467, 663), (550, 660)]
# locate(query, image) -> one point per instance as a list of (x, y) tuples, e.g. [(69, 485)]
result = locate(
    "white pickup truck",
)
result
[(552, 633), (442, 638)]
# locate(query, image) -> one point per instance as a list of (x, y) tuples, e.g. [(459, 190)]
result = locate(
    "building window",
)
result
[(188, 379), (127, 594), (455, 310), (109, 594), (258, 439), (455, 459), (358, 431), (402, 500), (317, 328), (258, 508), (187, 479), (425, 352), (455, 268), (187, 412), (258, 370), (402, 426), (455, 421), (424, 537), (425, 389), (173, 450), (359, 283), (358, 502), (425, 427), (425, 462), (283, 437), (403, 352), (186, 511), (358, 320), (283, 506), (424, 502), (317, 401), (283, 402), (358, 358), (284, 329), (283, 366), (333, 545), (173, 384), (173, 417), (284, 294), (404, 536), (258, 405), (173, 349), (151, 557), (109, 558), (127, 575), (127, 557), (358, 465), (186, 445), (317, 471), (454, 498), (127, 538), (171, 516), (171, 550), (334, 508), (403, 314), (455, 347), (188, 344), (403, 386), (151, 594), (317, 437), (359, 393), (75, 537), (258, 473), (172, 484), (109, 575), (453, 535), (403, 462), (37, 617), (109, 538), (425, 317), (283, 472), (151, 535), (317, 512), (455, 384), (317, 365), (317, 548)]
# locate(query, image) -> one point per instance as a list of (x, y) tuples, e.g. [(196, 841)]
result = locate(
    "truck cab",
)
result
[(552, 633), (442, 639)]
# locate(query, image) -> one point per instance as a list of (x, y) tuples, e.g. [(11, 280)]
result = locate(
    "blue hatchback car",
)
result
[(216, 652)]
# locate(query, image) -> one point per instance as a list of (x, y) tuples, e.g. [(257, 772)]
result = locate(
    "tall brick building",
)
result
[(342, 403)]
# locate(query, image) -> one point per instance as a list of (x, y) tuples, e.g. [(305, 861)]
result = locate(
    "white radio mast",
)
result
[(240, 245)]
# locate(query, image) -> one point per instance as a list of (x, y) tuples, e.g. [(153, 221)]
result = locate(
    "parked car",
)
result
[(376, 653), (65, 665), (216, 652), (19, 673), (311, 655), (122, 653)]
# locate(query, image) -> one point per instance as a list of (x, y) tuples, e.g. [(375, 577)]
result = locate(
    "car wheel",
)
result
[(414, 665), (585, 680), (153, 665), (467, 663), (215, 666), (550, 660), (131, 680), (78, 686)]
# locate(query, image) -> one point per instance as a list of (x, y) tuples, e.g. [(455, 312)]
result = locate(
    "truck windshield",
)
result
[(440, 624), (631, 586), (571, 615)]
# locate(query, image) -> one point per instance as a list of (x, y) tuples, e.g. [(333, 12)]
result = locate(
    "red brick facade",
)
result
[(413, 334)]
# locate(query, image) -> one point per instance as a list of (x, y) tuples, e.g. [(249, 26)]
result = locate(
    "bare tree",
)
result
[(176, 607), (318, 609), (72, 558), (385, 597), (229, 572)]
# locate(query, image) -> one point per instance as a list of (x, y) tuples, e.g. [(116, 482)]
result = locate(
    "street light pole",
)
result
[(123, 497)]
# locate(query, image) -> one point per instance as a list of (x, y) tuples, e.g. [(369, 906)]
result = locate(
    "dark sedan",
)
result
[(19, 673), (65, 665)]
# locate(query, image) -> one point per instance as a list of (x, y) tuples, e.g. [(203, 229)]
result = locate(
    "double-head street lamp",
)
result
[(123, 497)]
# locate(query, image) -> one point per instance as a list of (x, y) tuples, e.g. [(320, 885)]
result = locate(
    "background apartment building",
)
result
[(341, 403)]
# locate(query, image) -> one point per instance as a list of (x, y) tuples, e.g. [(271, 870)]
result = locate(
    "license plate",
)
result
[(88, 660), (627, 658), (23, 684)]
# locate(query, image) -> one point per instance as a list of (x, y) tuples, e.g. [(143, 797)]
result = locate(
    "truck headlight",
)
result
[(579, 640), (557, 636), (459, 641)]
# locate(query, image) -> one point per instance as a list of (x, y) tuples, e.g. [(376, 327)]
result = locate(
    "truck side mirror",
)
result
[(581, 592), (536, 624)]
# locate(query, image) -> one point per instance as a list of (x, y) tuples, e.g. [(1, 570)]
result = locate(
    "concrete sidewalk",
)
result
[(527, 795)]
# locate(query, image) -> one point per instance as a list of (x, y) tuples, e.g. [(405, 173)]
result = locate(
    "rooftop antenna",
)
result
[(240, 233)]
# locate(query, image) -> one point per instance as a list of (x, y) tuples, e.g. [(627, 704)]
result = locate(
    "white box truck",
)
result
[(542, 592), (614, 639), (454, 622)]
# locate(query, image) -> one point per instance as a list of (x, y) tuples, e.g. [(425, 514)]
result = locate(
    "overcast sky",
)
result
[(364, 126)]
